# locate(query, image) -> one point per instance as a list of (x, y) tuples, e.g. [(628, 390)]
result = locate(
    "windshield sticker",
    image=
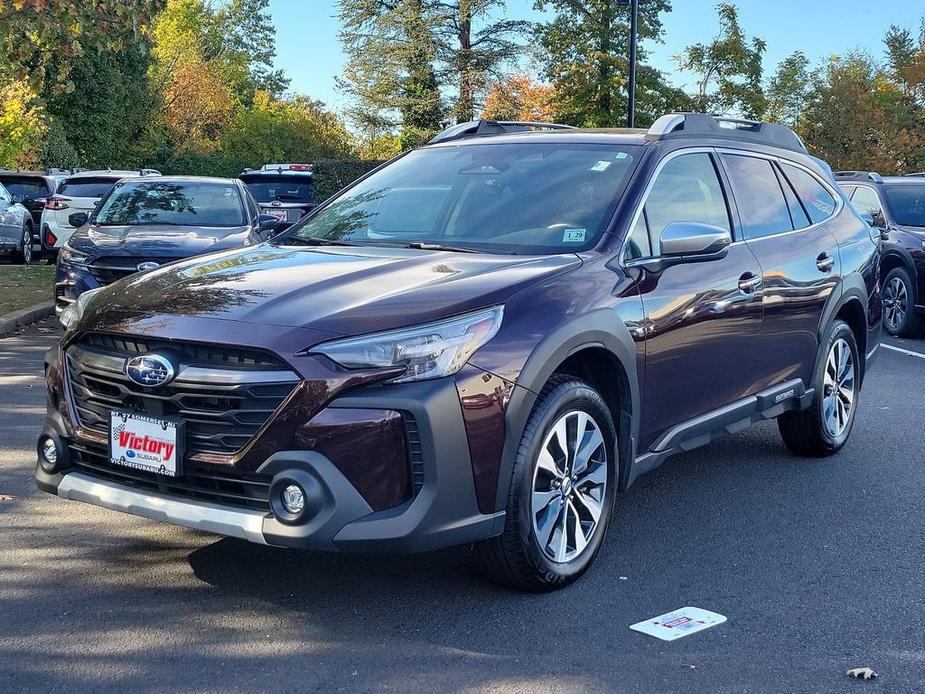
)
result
[(601, 165), (573, 236), (620, 155)]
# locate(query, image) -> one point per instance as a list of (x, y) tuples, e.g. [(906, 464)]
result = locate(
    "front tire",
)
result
[(824, 428), (562, 491), (899, 299), (23, 255)]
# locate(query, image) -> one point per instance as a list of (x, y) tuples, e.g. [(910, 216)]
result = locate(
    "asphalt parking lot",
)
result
[(818, 566)]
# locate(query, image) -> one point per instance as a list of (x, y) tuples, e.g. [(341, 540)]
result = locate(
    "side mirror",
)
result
[(78, 219), (18, 198), (694, 240), (267, 222), (867, 217)]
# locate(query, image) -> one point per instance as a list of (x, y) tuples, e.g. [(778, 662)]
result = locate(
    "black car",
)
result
[(286, 191), (895, 205), (142, 223), (31, 189), (484, 341)]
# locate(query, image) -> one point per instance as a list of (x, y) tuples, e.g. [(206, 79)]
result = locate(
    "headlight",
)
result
[(426, 351), (69, 255), (72, 313)]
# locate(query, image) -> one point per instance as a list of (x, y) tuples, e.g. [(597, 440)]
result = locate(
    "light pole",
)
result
[(631, 86)]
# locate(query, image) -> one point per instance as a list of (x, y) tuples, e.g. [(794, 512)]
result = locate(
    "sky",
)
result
[(309, 52)]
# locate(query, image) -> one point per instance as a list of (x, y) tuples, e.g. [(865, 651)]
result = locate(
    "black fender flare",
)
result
[(891, 250), (850, 288), (602, 328)]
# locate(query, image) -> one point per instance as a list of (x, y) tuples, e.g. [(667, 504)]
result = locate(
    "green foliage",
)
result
[(22, 123), (331, 176), (729, 69), (787, 90), (585, 55)]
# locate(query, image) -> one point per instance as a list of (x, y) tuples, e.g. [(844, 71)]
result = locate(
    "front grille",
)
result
[(109, 269), (223, 396), (227, 487)]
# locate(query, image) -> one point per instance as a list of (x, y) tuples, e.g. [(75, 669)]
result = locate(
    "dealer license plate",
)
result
[(279, 214), (145, 443)]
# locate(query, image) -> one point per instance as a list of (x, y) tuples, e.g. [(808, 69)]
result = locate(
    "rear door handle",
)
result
[(825, 262), (749, 282)]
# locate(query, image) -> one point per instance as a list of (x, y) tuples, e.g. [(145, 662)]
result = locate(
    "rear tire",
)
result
[(560, 499), (824, 428), (899, 297), (23, 255)]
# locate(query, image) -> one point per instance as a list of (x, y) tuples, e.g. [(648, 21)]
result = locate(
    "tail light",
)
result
[(50, 238), (57, 203), (300, 167)]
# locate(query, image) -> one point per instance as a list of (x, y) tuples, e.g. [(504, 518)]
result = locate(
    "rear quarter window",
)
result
[(758, 195), (818, 202)]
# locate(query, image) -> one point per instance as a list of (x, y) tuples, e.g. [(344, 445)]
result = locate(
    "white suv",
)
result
[(79, 192)]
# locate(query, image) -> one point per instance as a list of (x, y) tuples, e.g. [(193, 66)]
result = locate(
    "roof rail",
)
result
[(677, 125), (477, 128), (863, 175), (920, 174)]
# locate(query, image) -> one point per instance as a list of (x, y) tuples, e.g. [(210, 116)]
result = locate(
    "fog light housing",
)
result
[(53, 457), (293, 499)]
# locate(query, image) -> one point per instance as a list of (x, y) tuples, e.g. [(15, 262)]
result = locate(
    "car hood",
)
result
[(340, 290), (156, 240)]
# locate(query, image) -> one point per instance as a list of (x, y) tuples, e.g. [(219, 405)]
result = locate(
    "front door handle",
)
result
[(825, 262), (749, 282)]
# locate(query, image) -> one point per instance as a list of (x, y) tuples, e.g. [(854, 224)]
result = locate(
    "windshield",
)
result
[(28, 188), (506, 198), (282, 188), (907, 203), (172, 202), (87, 187)]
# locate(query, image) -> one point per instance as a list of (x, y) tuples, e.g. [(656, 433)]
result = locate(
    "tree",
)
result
[(473, 49), (22, 124), (786, 91), (729, 69), (390, 73), (520, 98), (105, 121), (857, 117), (585, 55), (36, 33)]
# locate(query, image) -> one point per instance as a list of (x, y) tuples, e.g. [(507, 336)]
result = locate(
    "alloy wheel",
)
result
[(839, 392), (27, 246), (895, 303), (569, 486)]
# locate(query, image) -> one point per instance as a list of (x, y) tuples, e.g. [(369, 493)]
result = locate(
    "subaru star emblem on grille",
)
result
[(147, 266), (276, 203), (150, 370)]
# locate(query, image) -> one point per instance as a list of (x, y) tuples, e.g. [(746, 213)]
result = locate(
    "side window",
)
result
[(866, 202), (687, 190), (797, 214), (819, 203), (4, 196), (252, 210), (760, 198)]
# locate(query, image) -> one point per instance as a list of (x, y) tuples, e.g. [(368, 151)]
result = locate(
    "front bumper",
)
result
[(442, 512)]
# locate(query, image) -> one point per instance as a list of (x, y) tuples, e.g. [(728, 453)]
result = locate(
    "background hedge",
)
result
[(331, 176)]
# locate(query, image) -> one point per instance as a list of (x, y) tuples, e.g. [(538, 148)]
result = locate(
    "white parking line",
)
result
[(903, 351)]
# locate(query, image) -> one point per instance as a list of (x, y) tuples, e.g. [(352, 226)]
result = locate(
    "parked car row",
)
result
[(52, 197), (482, 342)]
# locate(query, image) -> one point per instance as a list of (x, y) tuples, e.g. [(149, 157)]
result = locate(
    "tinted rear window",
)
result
[(818, 202), (759, 196), (907, 203), (280, 187), (26, 186), (87, 187)]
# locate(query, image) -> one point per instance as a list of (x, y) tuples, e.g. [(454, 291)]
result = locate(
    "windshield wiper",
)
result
[(317, 241), (427, 246)]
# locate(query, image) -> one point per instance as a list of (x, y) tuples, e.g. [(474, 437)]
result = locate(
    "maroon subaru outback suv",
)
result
[(483, 341)]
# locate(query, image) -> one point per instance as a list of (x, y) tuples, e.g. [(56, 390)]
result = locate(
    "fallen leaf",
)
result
[(5, 497), (861, 673)]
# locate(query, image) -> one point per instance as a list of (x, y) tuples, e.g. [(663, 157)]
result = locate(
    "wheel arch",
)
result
[(848, 304), (590, 347), (894, 256)]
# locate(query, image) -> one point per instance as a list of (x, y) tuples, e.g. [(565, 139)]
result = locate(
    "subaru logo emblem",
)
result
[(150, 370), (276, 203), (147, 266)]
